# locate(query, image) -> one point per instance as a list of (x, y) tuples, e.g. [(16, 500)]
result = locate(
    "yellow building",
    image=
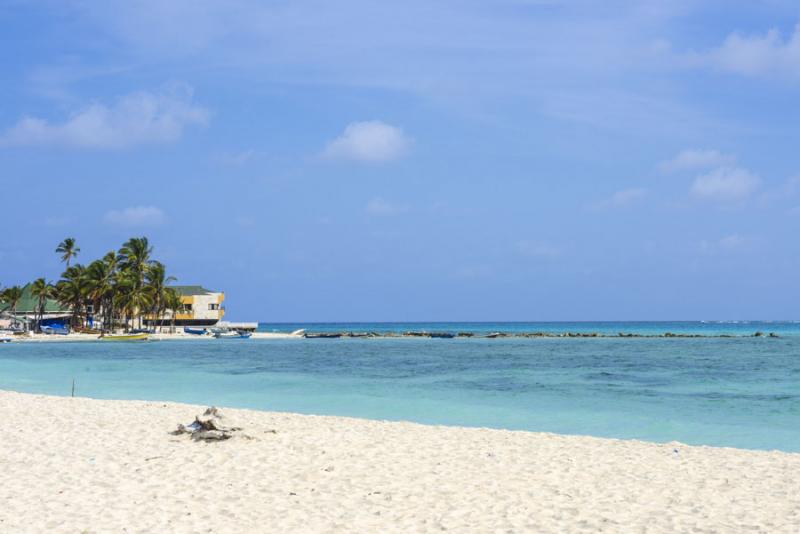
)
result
[(201, 307)]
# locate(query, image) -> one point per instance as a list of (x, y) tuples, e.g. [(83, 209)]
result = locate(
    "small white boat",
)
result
[(6, 339), (232, 334)]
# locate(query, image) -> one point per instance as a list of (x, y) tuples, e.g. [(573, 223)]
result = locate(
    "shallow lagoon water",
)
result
[(739, 392)]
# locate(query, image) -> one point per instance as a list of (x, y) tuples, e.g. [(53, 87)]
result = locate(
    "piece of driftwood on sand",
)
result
[(208, 427)]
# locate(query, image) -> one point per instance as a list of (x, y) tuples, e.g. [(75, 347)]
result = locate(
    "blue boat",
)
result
[(195, 331), (55, 330)]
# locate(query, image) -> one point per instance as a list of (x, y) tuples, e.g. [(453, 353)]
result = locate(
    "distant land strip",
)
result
[(494, 335)]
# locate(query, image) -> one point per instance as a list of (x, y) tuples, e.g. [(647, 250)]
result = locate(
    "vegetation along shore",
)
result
[(120, 291)]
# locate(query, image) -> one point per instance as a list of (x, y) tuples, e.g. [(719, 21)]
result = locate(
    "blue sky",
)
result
[(416, 160)]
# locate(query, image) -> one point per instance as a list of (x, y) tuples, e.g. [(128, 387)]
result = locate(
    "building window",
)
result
[(90, 309), (213, 306), (187, 308)]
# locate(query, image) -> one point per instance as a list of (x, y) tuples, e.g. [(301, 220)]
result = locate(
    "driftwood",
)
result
[(208, 427)]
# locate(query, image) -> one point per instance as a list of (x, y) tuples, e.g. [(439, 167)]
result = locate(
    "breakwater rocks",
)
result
[(495, 335)]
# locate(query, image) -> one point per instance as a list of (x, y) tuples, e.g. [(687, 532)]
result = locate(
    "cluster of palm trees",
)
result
[(122, 288)]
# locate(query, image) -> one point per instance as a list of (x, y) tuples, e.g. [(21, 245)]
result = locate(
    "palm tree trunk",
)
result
[(111, 312)]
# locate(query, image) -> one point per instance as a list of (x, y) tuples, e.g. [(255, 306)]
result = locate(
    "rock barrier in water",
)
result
[(495, 335)]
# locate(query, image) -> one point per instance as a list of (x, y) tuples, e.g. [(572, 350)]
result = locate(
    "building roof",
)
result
[(192, 290), (29, 304)]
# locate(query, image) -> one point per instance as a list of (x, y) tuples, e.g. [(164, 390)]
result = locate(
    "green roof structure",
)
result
[(188, 291), (28, 304)]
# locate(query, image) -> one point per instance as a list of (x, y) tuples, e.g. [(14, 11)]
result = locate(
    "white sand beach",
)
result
[(81, 465), (31, 337)]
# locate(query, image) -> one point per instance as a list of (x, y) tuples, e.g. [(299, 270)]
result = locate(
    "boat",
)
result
[(142, 331), (6, 339), (232, 334), (125, 337), (55, 330), (195, 331)]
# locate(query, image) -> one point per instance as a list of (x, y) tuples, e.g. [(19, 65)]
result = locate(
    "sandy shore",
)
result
[(44, 338), (81, 465)]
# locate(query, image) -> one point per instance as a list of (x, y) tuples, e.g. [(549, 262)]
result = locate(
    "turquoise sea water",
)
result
[(739, 392)]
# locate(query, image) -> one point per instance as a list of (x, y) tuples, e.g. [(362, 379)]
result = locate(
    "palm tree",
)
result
[(68, 250), (100, 286), (12, 296), (120, 287), (157, 281), (112, 261), (134, 260), (173, 302), (135, 298), (71, 291), (41, 291), (135, 255)]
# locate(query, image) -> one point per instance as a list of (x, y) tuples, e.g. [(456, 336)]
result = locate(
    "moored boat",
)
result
[(55, 330), (232, 334), (125, 337), (195, 331), (322, 335)]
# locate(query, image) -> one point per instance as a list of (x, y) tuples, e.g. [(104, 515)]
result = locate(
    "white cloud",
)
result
[(697, 159), (136, 118), (380, 207), (792, 185), (781, 193), (624, 197), (464, 57), (236, 159), (725, 184), (369, 141), (538, 249), (758, 54), (136, 216), (730, 243)]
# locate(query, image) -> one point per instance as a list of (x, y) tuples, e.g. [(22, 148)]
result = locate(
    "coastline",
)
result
[(73, 337), (84, 464)]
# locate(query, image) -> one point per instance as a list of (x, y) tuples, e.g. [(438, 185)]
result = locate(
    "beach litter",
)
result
[(208, 427)]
